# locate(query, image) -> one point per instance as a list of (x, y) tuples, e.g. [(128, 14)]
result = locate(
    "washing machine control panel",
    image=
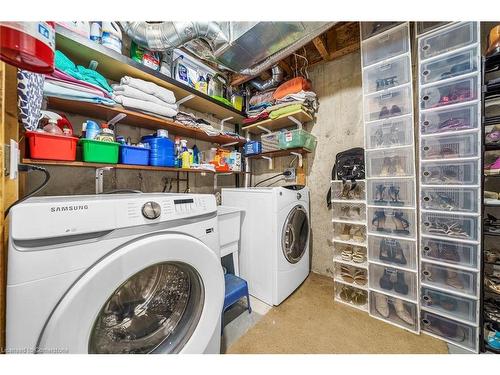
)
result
[(151, 210)]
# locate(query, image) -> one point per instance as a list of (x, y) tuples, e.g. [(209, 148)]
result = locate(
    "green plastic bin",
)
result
[(297, 138), (99, 151)]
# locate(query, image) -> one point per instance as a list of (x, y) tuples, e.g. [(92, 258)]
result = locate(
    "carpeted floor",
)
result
[(310, 322)]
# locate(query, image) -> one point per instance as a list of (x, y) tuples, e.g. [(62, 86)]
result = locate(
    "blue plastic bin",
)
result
[(161, 151), (134, 155), (252, 148)]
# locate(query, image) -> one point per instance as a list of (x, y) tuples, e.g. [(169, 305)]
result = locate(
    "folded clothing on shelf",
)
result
[(133, 93), (252, 120), (292, 86), (149, 88), (64, 64), (145, 106), (261, 97), (64, 92), (283, 111), (59, 75)]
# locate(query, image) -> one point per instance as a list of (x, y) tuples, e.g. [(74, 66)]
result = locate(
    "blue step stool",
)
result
[(236, 288)]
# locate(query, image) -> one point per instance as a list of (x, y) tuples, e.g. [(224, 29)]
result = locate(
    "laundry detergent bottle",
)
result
[(185, 155)]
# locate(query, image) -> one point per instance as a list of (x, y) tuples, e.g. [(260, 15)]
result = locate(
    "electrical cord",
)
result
[(285, 173), (29, 168)]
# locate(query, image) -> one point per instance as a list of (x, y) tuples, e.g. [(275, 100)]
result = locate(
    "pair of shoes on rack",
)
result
[(492, 168), (392, 198), (446, 227), (491, 224), (394, 279), (353, 254), (442, 251), (492, 255), (352, 232), (438, 299), (390, 139), (440, 152), (446, 329), (382, 307), (353, 295), (450, 124), (385, 83), (385, 112), (392, 166), (390, 251), (350, 212), (492, 283), (493, 136), (353, 275), (443, 174), (450, 277), (350, 190), (401, 225), (455, 95), (440, 201)]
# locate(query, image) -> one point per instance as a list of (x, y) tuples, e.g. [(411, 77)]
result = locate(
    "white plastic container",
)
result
[(112, 36)]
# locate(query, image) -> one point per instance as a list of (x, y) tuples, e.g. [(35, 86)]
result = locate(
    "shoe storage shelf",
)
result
[(490, 314), (350, 257), (450, 150), (390, 173)]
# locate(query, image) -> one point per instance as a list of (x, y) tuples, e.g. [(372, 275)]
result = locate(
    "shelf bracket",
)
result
[(299, 156), (270, 160), (223, 121), (296, 122), (229, 144), (185, 99), (99, 179), (264, 129)]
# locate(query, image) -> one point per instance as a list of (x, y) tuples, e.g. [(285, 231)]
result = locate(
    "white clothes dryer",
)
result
[(125, 273)]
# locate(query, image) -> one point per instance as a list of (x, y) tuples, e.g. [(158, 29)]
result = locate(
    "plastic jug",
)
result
[(112, 36)]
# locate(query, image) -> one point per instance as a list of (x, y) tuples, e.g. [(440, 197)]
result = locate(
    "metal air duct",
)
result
[(274, 81)]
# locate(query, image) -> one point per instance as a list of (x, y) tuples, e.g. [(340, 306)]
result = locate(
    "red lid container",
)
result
[(51, 146)]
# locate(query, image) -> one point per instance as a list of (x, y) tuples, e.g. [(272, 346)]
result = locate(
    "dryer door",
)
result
[(295, 234), (158, 294)]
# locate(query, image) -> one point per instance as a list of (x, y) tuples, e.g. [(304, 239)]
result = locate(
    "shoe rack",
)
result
[(450, 154), (349, 243), (490, 278), (390, 173)]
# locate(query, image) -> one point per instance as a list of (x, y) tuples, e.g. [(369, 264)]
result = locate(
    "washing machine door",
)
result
[(162, 293), (295, 234)]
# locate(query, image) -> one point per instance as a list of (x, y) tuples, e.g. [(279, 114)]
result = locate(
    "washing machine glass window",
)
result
[(157, 309), (295, 234)]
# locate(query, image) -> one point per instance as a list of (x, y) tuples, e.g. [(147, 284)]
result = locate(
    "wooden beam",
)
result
[(9, 129), (344, 51), (284, 65), (320, 46)]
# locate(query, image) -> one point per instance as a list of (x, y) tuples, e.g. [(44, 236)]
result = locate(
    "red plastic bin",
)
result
[(51, 147)]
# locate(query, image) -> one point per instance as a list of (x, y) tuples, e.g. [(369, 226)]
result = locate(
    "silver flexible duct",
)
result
[(274, 81), (162, 36)]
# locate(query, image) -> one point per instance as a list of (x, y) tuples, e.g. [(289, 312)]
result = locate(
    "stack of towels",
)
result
[(289, 97), (144, 96), (75, 82)]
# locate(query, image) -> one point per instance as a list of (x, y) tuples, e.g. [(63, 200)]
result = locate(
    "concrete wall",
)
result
[(338, 126)]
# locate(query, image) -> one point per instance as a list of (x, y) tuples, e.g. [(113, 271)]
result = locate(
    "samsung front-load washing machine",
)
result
[(132, 273), (274, 251)]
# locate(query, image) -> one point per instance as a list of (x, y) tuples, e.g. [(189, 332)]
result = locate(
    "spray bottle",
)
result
[(185, 155)]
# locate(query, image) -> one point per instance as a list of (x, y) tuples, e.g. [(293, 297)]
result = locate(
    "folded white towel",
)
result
[(145, 106), (149, 88), (134, 93)]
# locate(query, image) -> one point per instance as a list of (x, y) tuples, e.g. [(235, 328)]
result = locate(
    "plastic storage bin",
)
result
[(450, 173), (161, 151), (426, 27), (389, 133), (134, 155), (450, 120), (392, 251), (454, 92), (395, 193), (369, 29), (352, 233), (457, 333), (389, 103), (351, 254), (393, 281), (449, 146), (451, 252), (394, 221), (349, 295), (252, 148), (450, 226), (450, 199), (390, 163), (351, 275), (394, 310), (297, 138), (99, 152), (51, 147), (449, 304), (449, 278), (451, 38), (346, 190), (453, 65), (355, 212), (388, 74), (270, 142), (385, 45)]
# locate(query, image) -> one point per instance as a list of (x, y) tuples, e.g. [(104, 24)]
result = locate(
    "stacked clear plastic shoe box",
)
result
[(390, 173), (349, 243), (449, 79)]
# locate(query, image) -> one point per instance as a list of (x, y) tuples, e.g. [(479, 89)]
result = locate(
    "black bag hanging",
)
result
[(349, 166)]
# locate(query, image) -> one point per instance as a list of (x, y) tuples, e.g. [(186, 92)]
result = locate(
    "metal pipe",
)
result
[(274, 81)]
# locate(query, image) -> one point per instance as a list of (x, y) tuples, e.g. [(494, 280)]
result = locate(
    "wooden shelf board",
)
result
[(114, 66), (82, 164), (138, 119), (278, 153), (279, 123)]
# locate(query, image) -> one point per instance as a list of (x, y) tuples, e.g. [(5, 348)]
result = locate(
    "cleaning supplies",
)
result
[(105, 134), (145, 57), (90, 129), (201, 84), (185, 157), (161, 151), (177, 152), (96, 32), (196, 155), (112, 36)]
